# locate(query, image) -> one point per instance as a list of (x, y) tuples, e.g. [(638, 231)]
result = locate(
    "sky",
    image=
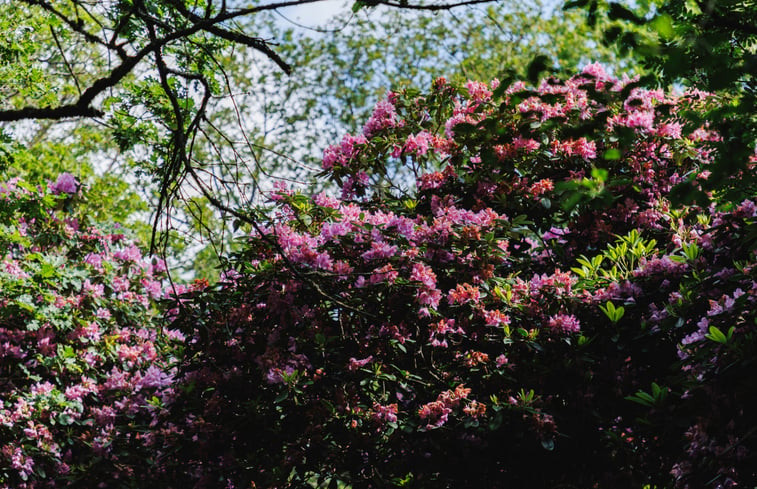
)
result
[(314, 14)]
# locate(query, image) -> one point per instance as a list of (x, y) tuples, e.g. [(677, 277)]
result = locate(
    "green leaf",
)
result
[(612, 312), (693, 7), (26, 302), (663, 25), (639, 400), (716, 335), (464, 129), (591, 16), (599, 174), (281, 397)]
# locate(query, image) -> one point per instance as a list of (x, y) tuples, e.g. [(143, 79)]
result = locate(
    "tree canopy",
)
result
[(259, 121)]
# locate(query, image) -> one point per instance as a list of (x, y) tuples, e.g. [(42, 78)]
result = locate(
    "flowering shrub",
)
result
[(534, 313), (85, 368)]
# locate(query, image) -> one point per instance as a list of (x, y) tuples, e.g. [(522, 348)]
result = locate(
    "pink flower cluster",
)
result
[(564, 323), (436, 413), (384, 117), (95, 362)]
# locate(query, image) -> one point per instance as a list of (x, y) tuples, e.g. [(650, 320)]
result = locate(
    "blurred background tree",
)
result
[(178, 113)]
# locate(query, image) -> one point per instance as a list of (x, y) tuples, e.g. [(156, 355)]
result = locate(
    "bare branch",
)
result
[(65, 60), (236, 37)]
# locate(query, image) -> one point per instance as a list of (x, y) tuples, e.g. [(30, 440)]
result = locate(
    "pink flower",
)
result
[(324, 200), (418, 144), (565, 323), (457, 117), (153, 288), (95, 260), (96, 290), (495, 318), (131, 253), (342, 154), (478, 91), (385, 414), (435, 179), (464, 293), (129, 353), (597, 71), (92, 331), (119, 284), (475, 409), (19, 460), (542, 186), (585, 148), (429, 297), (436, 413), (379, 250), (642, 119), (41, 389), (357, 364), (13, 268), (102, 313), (440, 329), (386, 274), (423, 274), (747, 208), (530, 145), (670, 130), (384, 116)]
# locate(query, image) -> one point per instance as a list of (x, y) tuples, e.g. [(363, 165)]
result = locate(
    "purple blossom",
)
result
[(155, 377), (65, 184)]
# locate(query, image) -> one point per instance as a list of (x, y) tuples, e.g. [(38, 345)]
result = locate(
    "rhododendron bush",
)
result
[(527, 309), (519, 305), (85, 370)]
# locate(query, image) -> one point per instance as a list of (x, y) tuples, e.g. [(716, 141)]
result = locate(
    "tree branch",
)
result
[(235, 37), (212, 25), (432, 7), (61, 112), (82, 107), (65, 60), (76, 26)]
